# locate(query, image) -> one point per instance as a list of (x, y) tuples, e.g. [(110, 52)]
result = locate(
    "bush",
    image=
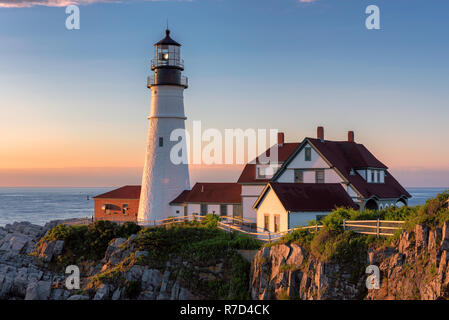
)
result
[(192, 243), (433, 213), (88, 242)]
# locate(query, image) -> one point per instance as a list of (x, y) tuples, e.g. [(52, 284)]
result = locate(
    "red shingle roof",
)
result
[(181, 198), (212, 193), (316, 197), (350, 155), (126, 192), (249, 171)]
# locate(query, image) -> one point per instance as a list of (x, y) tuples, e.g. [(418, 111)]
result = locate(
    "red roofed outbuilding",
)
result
[(120, 204), (215, 198)]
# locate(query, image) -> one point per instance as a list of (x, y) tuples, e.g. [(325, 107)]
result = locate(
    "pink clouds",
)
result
[(47, 3)]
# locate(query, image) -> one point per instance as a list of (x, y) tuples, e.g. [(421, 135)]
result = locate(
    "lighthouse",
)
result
[(162, 179)]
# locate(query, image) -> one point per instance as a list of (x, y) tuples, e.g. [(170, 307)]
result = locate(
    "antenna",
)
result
[(167, 23)]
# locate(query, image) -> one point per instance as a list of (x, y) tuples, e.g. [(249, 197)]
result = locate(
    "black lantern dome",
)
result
[(168, 40), (167, 63)]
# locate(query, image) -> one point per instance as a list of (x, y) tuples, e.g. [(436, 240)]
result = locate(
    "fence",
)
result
[(232, 224), (373, 227)]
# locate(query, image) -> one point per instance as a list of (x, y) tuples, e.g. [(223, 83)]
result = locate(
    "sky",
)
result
[(74, 103)]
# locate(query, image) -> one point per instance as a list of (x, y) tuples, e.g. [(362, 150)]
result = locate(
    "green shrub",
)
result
[(88, 242)]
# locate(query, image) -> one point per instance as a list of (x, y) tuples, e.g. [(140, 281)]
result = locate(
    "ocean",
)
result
[(40, 205)]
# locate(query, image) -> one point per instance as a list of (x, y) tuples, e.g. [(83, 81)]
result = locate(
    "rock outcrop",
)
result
[(22, 276), (26, 272), (287, 271), (414, 267)]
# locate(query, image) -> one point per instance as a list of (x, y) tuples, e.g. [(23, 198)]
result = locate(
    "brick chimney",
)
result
[(280, 139), (350, 136), (320, 133)]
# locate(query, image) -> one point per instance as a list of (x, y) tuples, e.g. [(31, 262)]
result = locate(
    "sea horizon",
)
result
[(39, 205)]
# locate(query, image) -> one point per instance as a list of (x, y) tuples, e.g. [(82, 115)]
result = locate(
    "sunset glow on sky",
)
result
[(74, 104)]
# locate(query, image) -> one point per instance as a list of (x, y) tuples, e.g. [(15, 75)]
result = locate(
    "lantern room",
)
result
[(167, 54)]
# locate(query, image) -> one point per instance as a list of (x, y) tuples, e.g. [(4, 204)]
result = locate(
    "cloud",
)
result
[(48, 3), (307, 1)]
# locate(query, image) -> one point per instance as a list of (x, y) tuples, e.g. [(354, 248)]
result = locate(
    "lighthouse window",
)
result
[(161, 141)]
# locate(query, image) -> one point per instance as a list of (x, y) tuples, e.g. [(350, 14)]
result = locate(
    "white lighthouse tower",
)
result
[(162, 180)]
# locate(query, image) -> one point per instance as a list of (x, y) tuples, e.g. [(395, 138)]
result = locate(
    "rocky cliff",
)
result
[(413, 267), (32, 267)]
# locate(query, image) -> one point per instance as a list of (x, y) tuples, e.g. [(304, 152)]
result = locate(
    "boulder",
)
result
[(39, 290), (102, 292), (151, 277)]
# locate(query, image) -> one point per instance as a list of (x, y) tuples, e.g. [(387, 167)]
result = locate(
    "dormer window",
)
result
[(260, 173), (266, 171), (373, 175)]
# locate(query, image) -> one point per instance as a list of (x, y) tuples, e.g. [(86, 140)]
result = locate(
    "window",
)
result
[(266, 222), (125, 208), (161, 141), (319, 176), (203, 209), (308, 154), (299, 176), (277, 222), (261, 173), (372, 176), (378, 176), (223, 209)]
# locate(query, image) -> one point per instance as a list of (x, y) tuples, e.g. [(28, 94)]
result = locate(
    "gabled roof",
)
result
[(126, 192), (348, 155), (209, 192), (344, 156), (248, 174), (316, 197)]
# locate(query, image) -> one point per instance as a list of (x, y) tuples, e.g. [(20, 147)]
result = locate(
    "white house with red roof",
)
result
[(309, 180), (283, 206)]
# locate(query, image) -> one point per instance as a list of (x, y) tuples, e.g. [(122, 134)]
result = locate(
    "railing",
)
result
[(233, 224), (156, 63), (373, 227), (184, 81)]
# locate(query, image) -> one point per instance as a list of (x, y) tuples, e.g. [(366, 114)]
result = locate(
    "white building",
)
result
[(223, 199), (162, 179), (284, 206), (332, 173)]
